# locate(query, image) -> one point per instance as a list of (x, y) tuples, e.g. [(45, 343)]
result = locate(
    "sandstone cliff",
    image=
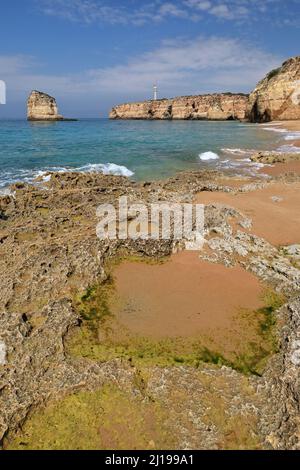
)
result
[(42, 107), (226, 106), (277, 96)]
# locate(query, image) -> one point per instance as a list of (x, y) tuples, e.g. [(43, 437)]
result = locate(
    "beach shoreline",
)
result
[(53, 269), (289, 166)]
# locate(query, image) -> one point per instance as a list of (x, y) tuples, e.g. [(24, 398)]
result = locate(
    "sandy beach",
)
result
[(169, 314), (274, 209)]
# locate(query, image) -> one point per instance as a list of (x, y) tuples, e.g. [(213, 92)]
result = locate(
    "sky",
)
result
[(93, 54)]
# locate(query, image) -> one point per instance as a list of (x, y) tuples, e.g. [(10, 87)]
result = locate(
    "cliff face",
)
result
[(225, 106), (277, 96), (42, 107)]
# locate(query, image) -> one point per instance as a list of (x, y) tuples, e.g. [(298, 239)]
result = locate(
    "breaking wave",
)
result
[(105, 169), (29, 176), (206, 156)]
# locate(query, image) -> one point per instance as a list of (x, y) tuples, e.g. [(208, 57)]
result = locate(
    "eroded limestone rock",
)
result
[(277, 96), (225, 106), (275, 157), (42, 107), (50, 252)]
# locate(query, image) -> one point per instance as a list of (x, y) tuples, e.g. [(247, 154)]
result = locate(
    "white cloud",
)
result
[(221, 10), (101, 11), (14, 64), (179, 66), (200, 5)]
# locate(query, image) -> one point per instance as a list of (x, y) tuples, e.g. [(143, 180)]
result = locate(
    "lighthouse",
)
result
[(155, 92)]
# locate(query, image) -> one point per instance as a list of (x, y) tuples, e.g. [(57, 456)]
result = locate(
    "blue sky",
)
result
[(92, 54)]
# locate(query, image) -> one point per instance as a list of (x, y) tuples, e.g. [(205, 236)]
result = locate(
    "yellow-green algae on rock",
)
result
[(105, 419), (102, 337)]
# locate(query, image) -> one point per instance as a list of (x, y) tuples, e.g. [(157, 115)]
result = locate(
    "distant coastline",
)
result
[(276, 97)]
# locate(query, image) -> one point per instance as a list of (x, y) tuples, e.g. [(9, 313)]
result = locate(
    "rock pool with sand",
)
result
[(129, 331)]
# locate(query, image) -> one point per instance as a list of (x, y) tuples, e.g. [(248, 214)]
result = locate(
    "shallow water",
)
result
[(147, 149)]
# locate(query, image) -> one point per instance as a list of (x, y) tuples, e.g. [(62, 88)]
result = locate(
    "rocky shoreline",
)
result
[(276, 97), (50, 253), (269, 157)]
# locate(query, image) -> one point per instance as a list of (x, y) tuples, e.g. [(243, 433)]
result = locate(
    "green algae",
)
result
[(105, 419), (114, 419), (101, 338)]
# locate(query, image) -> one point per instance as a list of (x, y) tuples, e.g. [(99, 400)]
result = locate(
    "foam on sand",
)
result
[(293, 136), (206, 156), (288, 149), (275, 129)]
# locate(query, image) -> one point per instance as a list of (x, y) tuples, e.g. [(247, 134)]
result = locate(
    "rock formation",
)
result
[(50, 252), (274, 157), (226, 106), (277, 96), (42, 107)]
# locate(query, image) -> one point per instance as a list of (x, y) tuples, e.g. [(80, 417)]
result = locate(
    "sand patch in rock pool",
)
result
[(182, 297), (185, 310)]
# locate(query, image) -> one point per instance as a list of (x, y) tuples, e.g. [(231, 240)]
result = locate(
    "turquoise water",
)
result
[(148, 149)]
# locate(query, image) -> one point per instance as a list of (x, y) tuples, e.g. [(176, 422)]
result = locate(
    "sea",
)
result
[(141, 150)]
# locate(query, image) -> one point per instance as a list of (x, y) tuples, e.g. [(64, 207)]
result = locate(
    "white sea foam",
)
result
[(288, 149), (44, 175), (106, 169), (294, 136), (206, 156), (271, 124), (237, 151), (289, 135), (274, 129), (242, 162), (6, 192), (242, 166)]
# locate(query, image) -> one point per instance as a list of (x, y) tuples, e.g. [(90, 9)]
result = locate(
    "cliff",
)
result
[(277, 96), (225, 106), (42, 107)]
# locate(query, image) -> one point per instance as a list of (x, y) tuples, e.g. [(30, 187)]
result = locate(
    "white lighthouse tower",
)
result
[(155, 93)]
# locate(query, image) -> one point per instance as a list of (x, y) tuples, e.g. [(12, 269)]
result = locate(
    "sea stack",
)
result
[(42, 107), (277, 96)]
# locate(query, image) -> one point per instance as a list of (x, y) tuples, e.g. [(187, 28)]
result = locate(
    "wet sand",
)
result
[(276, 221), (290, 125), (183, 297), (281, 168)]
